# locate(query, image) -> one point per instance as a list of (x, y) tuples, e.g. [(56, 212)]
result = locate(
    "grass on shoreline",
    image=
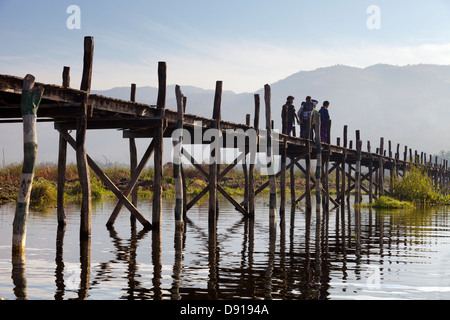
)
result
[(416, 188), (45, 183)]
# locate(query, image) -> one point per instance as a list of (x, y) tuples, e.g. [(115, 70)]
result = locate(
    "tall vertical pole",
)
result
[(308, 165), (62, 161), (133, 160), (283, 177), (215, 153), (159, 147), (381, 168), (31, 97), (177, 153), (270, 156), (83, 169), (318, 165), (251, 173), (358, 172)]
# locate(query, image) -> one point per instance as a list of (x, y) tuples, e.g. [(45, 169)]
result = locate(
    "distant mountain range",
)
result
[(409, 105)]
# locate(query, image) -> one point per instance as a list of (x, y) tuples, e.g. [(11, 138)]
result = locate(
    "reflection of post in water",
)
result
[(271, 261), (213, 260), (157, 267), (178, 263), (358, 234), (18, 277), (85, 262), (59, 271), (307, 280)]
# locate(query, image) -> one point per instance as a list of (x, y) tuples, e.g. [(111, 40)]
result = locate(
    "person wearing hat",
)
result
[(288, 116)]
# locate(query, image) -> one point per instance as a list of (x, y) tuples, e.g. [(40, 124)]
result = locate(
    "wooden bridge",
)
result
[(71, 109)]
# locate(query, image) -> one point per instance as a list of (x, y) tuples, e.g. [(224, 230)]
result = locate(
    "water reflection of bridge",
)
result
[(294, 265)]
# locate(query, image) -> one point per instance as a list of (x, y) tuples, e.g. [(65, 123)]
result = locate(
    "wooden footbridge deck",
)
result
[(72, 109)]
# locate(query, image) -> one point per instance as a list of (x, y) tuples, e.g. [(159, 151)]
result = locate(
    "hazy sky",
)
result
[(245, 43)]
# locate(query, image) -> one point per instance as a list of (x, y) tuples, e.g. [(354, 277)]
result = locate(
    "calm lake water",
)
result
[(392, 255)]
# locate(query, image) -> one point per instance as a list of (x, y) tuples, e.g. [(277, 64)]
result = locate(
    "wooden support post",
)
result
[(292, 184), (245, 168), (183, 176), (62, 161), (215, 153), (66, 77), (31, 98), (178, 145), (344, 164), (87, 64), (270, 156), (251, 174), (381, 169), (318, 164), (133, 160), (83, 170), (159, 147), (349, 174), (391, 167), (283, 177), (370, 173), (308, 165), (358, 172), (338, 171), (344, 160)]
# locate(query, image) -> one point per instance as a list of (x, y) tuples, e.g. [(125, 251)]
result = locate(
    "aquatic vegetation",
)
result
[(416, 186), (391, 203), (43, 193)]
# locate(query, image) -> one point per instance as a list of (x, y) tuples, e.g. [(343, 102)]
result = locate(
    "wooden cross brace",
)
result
[(105, 179)]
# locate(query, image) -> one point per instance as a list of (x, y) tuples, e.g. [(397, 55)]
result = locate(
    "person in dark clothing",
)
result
[(324, 118), (306, 111), (288, 116)]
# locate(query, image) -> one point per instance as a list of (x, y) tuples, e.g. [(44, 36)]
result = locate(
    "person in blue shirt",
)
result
[(324, 118)]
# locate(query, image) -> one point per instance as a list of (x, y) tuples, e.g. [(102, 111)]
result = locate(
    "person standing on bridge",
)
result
[(324, 119), (288, 116), (304, 114)]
